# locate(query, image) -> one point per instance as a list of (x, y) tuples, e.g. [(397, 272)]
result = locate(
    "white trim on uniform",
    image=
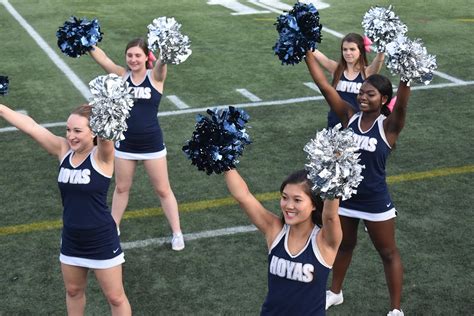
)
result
[(140, 156), (317, 253), (91, 263), (96, 166), (277, 238), (374, 217)]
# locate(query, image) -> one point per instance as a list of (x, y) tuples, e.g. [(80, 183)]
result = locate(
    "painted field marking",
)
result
[(228, 201), (177, 101), (188, 237), (249, 95), (279, 7), (73, 78), (85, 91), (237, 7), (312, 86), (448, 77), (255, 104), (414, 176)]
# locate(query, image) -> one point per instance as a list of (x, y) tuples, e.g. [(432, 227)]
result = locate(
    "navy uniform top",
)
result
[(144, 133), (348, 90), (84, 193), (89, 229), (296, 283), (372, 193)]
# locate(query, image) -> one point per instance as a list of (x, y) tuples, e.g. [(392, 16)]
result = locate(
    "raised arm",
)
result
[(328, 64), (395, 122), (53, 144), (267, 222), (331, 232), (375, 65), (105, 155), (105, 62), (338, 105), (159, 73)]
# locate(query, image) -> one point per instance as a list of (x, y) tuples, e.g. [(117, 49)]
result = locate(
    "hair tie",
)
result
[(151, 59), (367, 44), (391, 104)]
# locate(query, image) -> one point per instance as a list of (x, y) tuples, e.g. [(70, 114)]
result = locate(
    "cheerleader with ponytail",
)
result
[(144, 139)]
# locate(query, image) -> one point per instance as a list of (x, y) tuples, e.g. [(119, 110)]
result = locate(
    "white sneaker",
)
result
[(333, 298), (395, 312), (177, 242)]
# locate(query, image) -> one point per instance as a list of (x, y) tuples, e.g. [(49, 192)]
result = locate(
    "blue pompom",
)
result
[(299, 31), (77, 36), (218, 140), (4, 85)]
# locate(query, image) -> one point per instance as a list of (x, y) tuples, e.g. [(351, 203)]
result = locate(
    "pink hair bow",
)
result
[(367, 44), (391, 104), (151, 59)]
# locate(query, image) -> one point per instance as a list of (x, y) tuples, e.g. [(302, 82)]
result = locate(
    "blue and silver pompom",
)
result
[(77, 36), (4, 82), (299, 31), (218, 141), (410, 60), (111, 104), (164, 35), (333, 166), (382, 25)]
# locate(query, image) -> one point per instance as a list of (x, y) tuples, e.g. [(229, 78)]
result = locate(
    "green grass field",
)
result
[(431, 172)]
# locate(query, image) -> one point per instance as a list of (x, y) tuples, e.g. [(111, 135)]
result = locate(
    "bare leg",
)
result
[(110, 281), (75, 281), (157, 170), (124, 171), (344, 254), (382, 235)]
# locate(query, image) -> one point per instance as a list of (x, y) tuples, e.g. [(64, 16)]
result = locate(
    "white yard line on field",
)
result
[(183, 107), (83, 89), (257, 104), (188, 237), (312, 86), (249, 95), (448, 77), (177, 101)]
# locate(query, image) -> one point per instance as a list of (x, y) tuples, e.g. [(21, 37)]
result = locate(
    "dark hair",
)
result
[(361, 62), (301, 177), (85, 110), (141, 43), (384, 86)]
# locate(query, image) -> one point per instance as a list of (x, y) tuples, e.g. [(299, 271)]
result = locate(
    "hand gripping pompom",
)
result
[(218, 140), (77, 36), (381, 25), (410, 60), (299, 31), (4, 85), (164, 35), (333, 166), (111, 104)]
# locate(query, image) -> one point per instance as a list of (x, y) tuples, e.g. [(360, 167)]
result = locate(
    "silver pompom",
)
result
[(111, 104), (410, 60), (333, 166), (381, 25), (164, 35)]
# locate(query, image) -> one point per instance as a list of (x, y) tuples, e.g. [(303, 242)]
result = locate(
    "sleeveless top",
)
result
[(84, 193), (144, 133), (296, 283), (372, 193), (348, 90), (89, 230)]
